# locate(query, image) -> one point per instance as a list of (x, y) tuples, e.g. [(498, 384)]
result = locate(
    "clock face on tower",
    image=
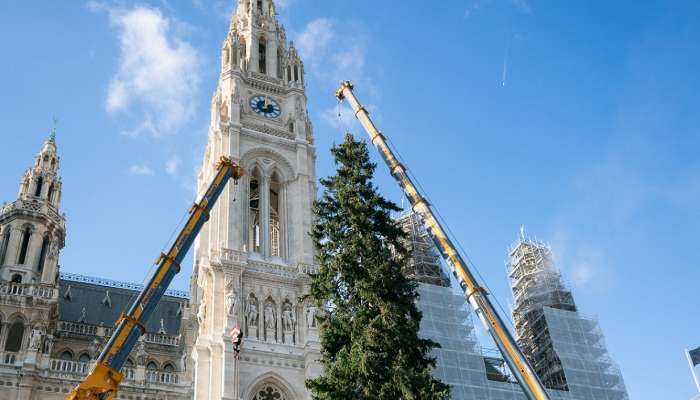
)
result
[(265, 106)]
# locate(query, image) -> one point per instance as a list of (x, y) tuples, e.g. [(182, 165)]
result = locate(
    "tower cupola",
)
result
[(32, 230)]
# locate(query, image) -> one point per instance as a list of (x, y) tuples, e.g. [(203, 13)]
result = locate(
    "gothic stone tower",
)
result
[(32, 232), (253, 257)]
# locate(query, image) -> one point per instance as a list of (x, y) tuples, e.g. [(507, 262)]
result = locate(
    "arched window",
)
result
[(260, 6), (3, 245), (296, 73), (49, 195), (84, 358), (254, 234), (66, 355), (129, 363), (280, 70), (16, 278), (25, 244), (267, 392), (289, 73), (13, 342), (42, 255), (39, 184), (151, 366), (169, 368), (262, 56), (275, 225)]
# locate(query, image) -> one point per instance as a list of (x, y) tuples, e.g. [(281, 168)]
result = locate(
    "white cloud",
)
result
[(158, 73), (283, 3), (340, 117), (522, 5), (141, 169), (172, 164), (313, 41)]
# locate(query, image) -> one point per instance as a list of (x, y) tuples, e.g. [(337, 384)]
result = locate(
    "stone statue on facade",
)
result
[(251, 313), (270, 326), (231, 303), (202, 313), (311, 312), (35, 339), (288, 318)]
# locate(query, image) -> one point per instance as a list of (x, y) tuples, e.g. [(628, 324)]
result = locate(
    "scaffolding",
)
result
[(566, 348), (423, 263)]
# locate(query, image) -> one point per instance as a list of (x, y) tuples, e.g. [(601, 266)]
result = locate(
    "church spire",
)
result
[(32, 231)]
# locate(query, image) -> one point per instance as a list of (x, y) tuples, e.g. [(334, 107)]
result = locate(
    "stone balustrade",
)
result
[(8, 358), (158, 338), (37, 206), (129, 373), (78, 328), (18, 291), (160, 377), (69, 367)]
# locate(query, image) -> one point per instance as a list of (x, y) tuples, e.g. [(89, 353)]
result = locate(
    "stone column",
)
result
[(13, 246)]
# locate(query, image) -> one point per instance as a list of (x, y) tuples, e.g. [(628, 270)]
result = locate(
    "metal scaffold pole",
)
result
[(475, 294)]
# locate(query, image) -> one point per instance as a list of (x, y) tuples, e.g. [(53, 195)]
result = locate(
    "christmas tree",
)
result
[(370, 347)]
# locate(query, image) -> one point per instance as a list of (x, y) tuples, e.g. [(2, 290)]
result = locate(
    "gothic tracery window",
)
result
[(39, 184), (3, 245), (24, 245), (42, 255), (49, 195), (269, 392), (262, 56), (254, 234), (13, 342), (275, 226)]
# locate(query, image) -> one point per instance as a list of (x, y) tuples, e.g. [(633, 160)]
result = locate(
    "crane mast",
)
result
[(103, 381), (475, 294)]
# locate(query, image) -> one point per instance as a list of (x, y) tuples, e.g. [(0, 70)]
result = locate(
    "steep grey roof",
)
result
[(99, 310)]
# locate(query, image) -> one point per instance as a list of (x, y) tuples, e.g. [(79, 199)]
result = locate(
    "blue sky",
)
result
[(577, 119)]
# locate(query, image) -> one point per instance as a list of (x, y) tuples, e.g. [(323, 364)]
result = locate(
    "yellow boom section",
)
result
[(475, 294)]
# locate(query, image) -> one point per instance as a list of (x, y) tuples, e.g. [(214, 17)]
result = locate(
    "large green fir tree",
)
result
[(369, 333)]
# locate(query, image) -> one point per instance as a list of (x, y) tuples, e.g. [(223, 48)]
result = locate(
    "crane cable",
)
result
[(449, 230)]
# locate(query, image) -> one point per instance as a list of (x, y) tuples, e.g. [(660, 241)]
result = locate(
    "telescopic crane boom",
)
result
[(475, 294), (103, 381)]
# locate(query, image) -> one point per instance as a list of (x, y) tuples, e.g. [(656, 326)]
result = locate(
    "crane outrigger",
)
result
[(103, 381), (476, 295)]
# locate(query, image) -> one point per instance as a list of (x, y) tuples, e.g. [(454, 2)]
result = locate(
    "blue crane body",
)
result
[(103, 381)]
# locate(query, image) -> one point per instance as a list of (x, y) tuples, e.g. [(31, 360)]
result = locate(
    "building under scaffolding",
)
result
[(423, 264), (566, 348)]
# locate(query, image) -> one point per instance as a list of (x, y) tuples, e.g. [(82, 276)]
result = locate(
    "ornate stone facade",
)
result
[(253, 256), (53, 326)]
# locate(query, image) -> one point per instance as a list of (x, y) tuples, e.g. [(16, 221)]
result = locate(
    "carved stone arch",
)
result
[(62, 352), (18, 316), (256, 154), (151, 362), (271, 383)]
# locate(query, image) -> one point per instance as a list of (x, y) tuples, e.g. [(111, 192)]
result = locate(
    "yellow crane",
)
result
[(103, 381), (476, 295)]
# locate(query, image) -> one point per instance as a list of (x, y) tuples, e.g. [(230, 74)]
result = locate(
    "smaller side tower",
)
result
[(566, 348), (32, 231)]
